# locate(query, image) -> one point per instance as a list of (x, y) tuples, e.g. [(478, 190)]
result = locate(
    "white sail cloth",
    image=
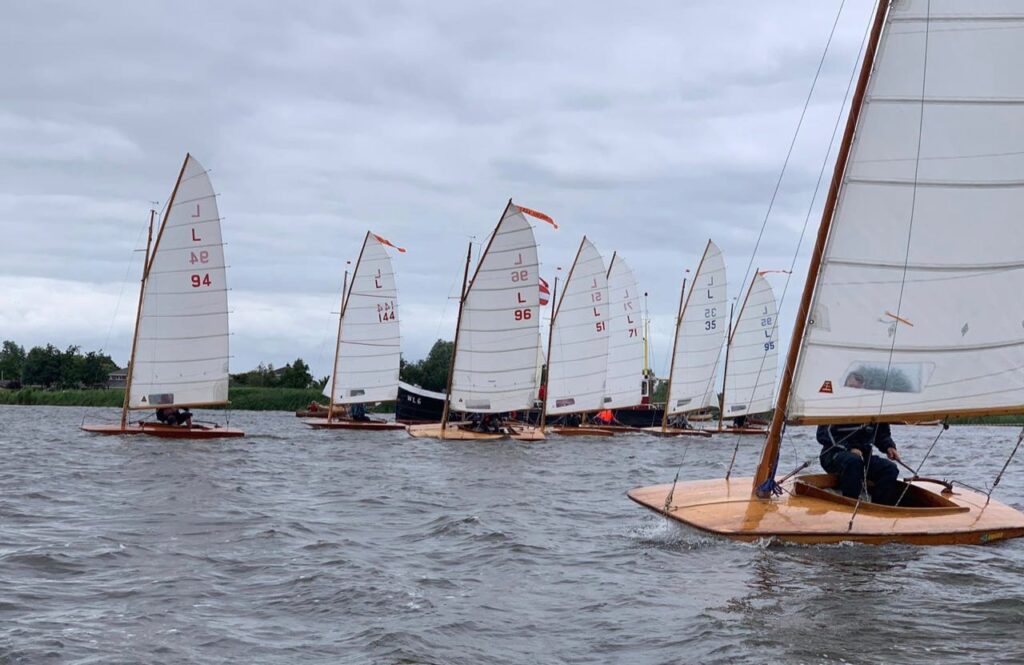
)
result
[(753, 353), (578, 360), (496, 355), (181, 351), (624, 380), (916, 308), (367, 359), (699, 336)]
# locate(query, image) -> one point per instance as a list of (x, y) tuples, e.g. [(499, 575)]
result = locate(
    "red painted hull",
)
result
[(166, 431)]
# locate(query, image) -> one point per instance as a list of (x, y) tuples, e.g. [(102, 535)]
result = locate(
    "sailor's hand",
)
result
[(857, 452), (893, 454)]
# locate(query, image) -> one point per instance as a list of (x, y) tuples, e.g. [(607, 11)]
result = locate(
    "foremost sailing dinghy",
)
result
[(700, 332), (751, 360), (367, 352), (179, 356), (494, 362), (578, 345), (914, 285)]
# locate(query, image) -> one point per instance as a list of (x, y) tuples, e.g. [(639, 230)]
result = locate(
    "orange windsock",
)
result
[(539, 215), (385, 241)]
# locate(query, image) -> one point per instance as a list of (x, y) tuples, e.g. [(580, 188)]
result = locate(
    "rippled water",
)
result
[(302, 546)]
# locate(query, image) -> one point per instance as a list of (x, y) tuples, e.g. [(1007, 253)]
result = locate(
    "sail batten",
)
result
[(915, 309)]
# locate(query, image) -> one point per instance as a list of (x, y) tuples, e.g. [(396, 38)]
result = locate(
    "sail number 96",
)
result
[(523, 315)]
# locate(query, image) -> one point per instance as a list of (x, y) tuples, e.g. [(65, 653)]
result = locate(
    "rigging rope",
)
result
[(810, 208), (917, 471), (1020, 437)]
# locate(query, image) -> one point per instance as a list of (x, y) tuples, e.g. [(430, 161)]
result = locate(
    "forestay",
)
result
[(368, 354), (181, 350), (578, 360), (917, 308), (699, 336), (496, 354), (624, 382), (753, 353)]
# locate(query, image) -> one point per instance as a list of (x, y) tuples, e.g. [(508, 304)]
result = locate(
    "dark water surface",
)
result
[(302, 546)]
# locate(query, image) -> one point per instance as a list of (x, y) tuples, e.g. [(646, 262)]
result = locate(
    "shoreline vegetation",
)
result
[(242, 399)]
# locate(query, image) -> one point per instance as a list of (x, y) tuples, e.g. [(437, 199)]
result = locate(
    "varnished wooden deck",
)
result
[(727, 508), (166, 431)]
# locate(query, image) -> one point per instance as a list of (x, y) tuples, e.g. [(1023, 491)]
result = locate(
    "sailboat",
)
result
[(494, 362), (751, 359), (578, 345), (179, 353), (367, 352), (914, 283), (700, 332)]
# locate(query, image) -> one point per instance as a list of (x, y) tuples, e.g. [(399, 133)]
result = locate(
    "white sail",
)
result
[(753, 353), (181, 352), (624, 381), (919, 296), (368, 355), (699, 336), (578, 360), (496, 355)]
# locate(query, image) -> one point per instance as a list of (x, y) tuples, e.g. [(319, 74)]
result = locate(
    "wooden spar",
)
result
[(138, 319), (679, 321), (725, 368), (455, 344), (769, 456), (551, 330), (728, 346), (672, 363), (337, 342), (910, 417)]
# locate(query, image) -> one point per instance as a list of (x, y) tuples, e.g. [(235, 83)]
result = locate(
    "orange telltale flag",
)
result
[(385, 241), (539, 215)]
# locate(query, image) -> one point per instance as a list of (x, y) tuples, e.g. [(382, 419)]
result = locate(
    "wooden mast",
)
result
[(551, 330), (142, 290), (138, 313), (675, 343), (455, 344), (725, 368), (337, 342), (769, 456)]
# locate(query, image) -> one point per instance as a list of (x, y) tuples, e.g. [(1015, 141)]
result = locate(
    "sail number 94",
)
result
[(198, 280)]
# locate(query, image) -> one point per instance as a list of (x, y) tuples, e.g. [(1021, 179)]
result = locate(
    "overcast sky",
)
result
[(648, 127)]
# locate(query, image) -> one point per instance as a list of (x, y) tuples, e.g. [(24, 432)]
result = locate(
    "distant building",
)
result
[(118, 378)]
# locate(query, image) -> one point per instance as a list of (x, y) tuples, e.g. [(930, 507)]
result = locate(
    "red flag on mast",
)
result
[(545, 291), (385, 241), (539, 215)]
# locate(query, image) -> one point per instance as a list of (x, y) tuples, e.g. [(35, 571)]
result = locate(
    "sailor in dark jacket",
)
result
[(846, 452)]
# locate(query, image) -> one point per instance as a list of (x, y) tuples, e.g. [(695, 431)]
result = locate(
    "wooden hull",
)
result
[(671, 431), (455, 433), (743, 431), (365, 425), (311, 414), (166, 431), (585, 430), (728, 508)]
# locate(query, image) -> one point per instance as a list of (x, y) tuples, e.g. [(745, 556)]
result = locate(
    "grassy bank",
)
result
[(244, 399)]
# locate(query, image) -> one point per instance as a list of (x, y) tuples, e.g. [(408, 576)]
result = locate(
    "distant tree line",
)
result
[(293, 375), (430, 373), (49, 366)]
